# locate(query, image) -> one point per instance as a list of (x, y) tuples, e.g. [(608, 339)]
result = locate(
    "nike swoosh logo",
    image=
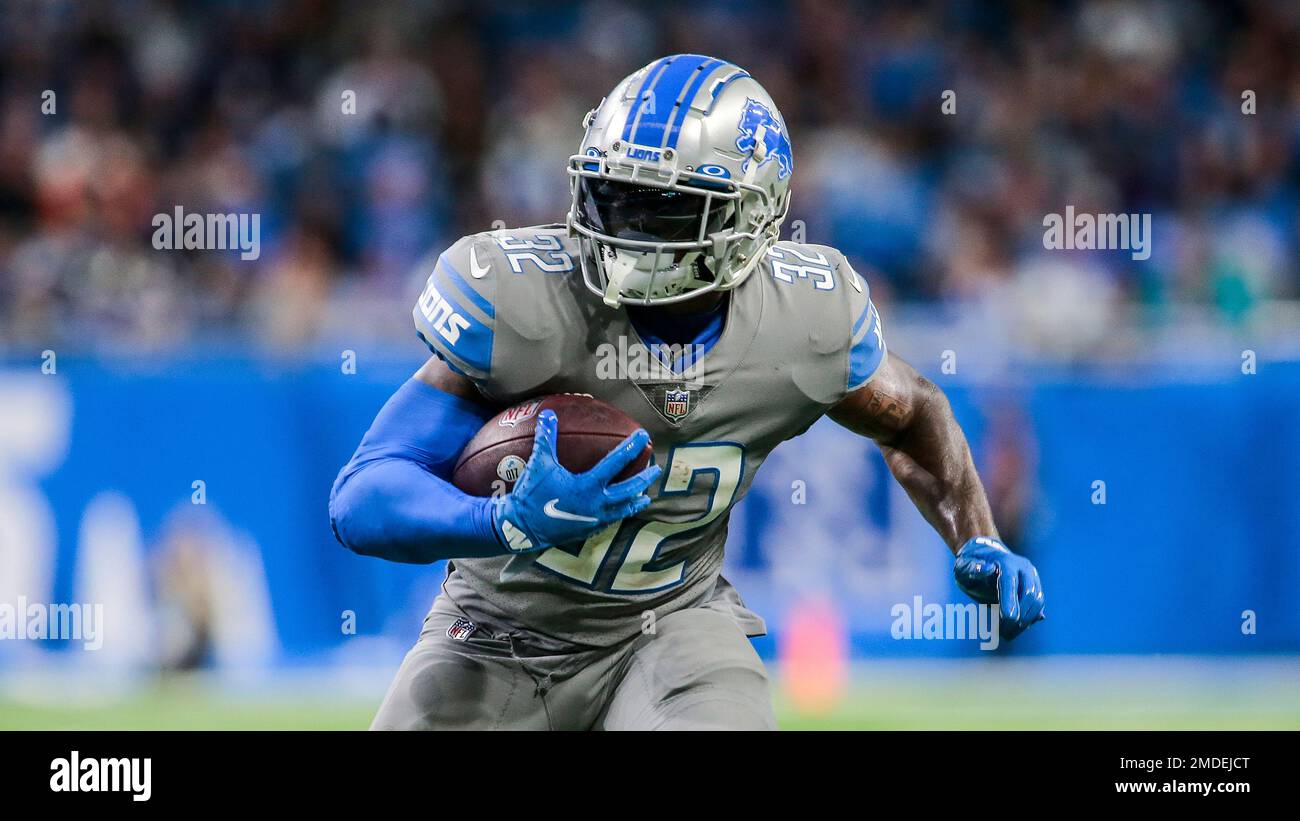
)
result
[(475, 270), (555, 513)]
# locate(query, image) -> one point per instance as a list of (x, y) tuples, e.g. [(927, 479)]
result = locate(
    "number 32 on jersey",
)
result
[(724, 460)]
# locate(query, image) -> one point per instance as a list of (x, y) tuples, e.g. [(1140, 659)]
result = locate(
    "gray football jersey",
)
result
[(509, 310)]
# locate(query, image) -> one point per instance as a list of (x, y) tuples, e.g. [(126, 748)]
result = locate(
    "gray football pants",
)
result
[(697, 671)]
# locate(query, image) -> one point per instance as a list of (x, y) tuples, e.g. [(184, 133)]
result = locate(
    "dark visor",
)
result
[(632, 211)]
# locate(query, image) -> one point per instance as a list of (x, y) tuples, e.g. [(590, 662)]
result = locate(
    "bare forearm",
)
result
[(912, 421), (932, 462)]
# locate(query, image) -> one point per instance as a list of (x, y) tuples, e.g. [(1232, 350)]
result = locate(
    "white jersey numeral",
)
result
[(725, 460), (726, 463), (815, 267), (531, 249)]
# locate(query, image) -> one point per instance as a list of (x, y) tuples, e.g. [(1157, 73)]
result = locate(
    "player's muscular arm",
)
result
[(394, 498), (911, 420), (909, 417)]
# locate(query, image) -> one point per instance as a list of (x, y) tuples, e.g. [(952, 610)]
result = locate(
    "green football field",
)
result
[(1106, 693)]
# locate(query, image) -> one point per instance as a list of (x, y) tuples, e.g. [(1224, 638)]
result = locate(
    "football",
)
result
[(588, 429)]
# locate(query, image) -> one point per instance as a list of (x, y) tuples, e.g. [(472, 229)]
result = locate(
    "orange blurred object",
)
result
[(813, 650)]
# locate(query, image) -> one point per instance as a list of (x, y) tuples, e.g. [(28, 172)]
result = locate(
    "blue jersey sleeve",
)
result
[(866, 345), (863, 331), (455, 314)]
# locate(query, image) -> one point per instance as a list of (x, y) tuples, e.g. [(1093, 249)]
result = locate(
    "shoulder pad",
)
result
[(493, 295), (455, 314), (824, 271)]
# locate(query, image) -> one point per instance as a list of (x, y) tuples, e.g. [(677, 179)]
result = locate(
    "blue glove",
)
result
[(991, 574), (550, 506)]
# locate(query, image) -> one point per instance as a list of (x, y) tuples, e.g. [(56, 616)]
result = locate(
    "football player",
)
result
[(577, 601)]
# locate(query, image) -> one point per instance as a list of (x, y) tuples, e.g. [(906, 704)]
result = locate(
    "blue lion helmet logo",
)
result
[(774, 137)]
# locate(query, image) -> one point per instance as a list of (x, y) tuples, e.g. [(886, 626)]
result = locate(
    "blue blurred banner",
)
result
[(156, 488)]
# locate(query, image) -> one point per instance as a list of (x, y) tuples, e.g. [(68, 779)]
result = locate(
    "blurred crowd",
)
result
[(463, 113)]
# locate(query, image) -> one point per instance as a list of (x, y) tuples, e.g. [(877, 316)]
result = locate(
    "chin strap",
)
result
[(617, 268)]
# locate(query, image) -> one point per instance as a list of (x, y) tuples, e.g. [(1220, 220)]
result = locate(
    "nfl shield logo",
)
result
[(513, 416), (676, 404), (460, 629)]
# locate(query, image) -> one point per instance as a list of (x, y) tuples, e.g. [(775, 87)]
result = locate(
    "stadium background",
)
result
[(1071, 367)]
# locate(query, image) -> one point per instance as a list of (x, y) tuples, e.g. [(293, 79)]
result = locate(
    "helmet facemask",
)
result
[(652, 235)]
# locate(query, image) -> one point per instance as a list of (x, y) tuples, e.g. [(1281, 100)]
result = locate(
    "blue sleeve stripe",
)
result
[(453, 332), (449, 359), (457, 369), (866, 312), (866, 354), (461, 285)]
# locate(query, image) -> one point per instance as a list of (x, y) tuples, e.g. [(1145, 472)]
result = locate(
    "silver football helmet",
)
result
[(681, 182)]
